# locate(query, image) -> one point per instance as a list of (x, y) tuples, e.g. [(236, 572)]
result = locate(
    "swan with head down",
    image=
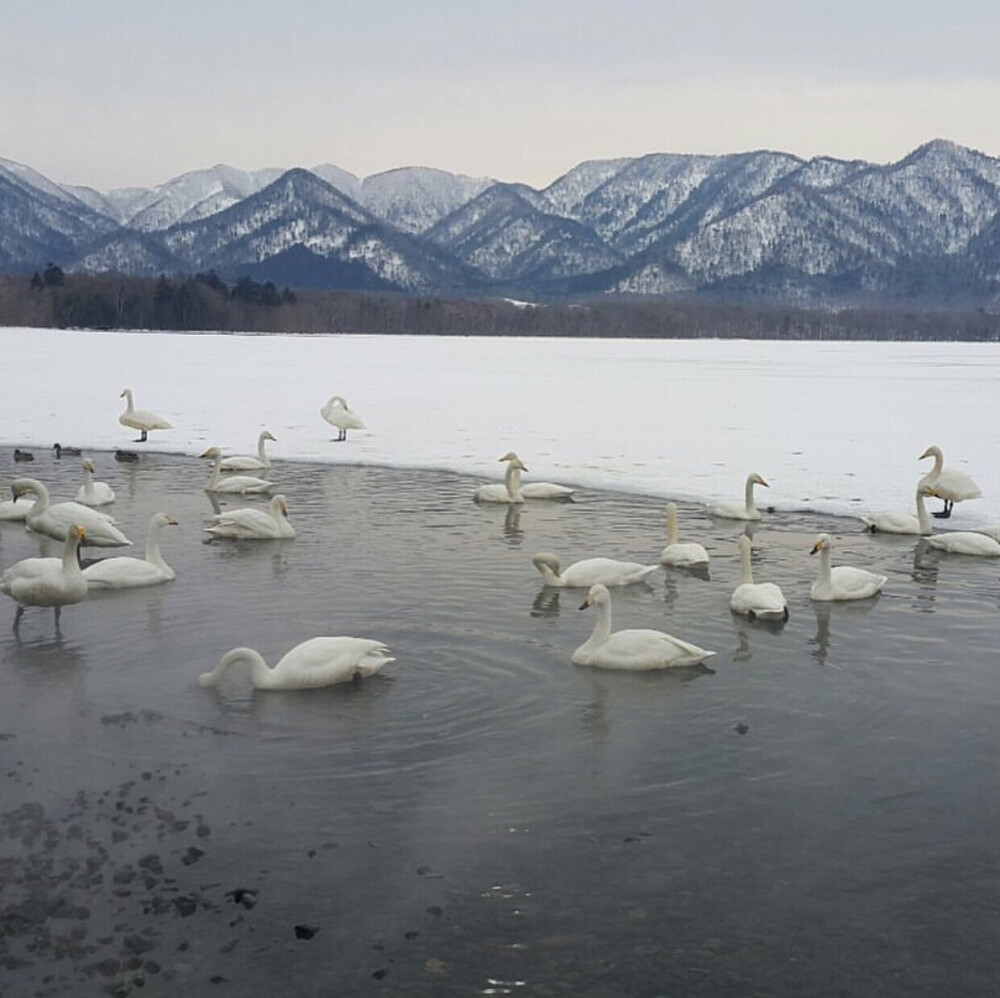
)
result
[(140, 419), (244, 462), (93, 493), (756, 599), (636, 650), (950, 485), (339, 414), (590, 571), (232, 483), (55, 582), (56, 520), (687, 555), (322, 661), (844, 582), (254, 524), (130, 573), (746, 510)]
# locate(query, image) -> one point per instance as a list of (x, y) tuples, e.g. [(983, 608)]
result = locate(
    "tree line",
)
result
[(205, 302)]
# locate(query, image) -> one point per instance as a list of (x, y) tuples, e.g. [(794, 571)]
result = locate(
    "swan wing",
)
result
[(545, 490), (124, 573), (966, 542), (763, 599), (608, 571), (893, 522), (324, 661), (242, 463), (641, 650), (494, 492), (848, 582), (687, 553)]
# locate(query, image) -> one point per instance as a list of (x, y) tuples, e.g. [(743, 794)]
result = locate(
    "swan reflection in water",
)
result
[(546, 603), (512, 529), (825, 611)]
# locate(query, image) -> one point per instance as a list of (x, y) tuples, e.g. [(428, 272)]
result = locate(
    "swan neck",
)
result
[(550, 576), (602, 626), (260, 450), (153, 555), (748, 493), (213, 478), (825, 570), (512, 479), (260, 674), (129, 404), (70, 560), (671, 525)]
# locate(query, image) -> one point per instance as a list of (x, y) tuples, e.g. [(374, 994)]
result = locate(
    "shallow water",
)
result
[(814, 813)]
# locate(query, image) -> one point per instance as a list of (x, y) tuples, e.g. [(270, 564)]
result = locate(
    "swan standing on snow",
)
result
[(338, 413), (55, 582), (254, 524), (843, 582), (745, 510), (129, 573), (233, 483), (57, 520), (756, 599), (317, 662), (685, 555), (903, 523), (243, 462), (590, 571), (634, 650), (140, 419), (93, 493), (949, 485)]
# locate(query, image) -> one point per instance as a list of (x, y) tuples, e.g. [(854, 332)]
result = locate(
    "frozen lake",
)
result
[(484, 817)]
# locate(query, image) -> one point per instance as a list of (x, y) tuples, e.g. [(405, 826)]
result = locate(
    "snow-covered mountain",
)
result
[(746, 224)]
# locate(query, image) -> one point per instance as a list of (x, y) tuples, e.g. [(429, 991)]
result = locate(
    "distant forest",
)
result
[(54, 299)]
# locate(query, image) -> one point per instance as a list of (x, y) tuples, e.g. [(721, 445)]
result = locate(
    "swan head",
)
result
[(756, 479), (266, 435), (546, 558), (22, 487), (280, 503), (212, 452), (80, 533), (514, 460), (929, 490), (162, 520), (88, 464), (596, 594), (822, 543), (932, 451), (126, 393)]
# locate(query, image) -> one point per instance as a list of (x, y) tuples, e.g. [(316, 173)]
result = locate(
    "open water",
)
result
[(813, 813)]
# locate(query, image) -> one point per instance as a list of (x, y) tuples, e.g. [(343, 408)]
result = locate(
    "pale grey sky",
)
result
[(113, 93)]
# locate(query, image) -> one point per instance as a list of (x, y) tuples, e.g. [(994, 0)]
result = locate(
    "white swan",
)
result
[(895, 522), (57, 520), (232, 483), (635, 650), (509, 490), (54, 582), (244, 462), (679, 555), (13, 511), (254, 524), (993, 532), (338, 413), (129, 573), (950, 485), (756, 599), (590, 571), (317, 662), (140, 419), (843, 582), (745, 510), (93, 493), (966, 542)]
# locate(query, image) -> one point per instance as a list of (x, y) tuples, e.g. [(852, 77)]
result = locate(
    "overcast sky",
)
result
[(113, 93)]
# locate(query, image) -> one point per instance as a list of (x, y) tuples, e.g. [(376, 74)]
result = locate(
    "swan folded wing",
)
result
[(123, 573), (956, 486), (763, 598), (546, 490), (642, 649), (893, 522), (320, 658), (494, 492), (853, 581), (607, 571), (685, 553)]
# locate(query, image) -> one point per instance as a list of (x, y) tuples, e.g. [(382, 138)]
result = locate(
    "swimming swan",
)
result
[(232, 483), (140, 419), (254, 524), (338, 413), (590, 571), (317, 662), (55, 582), (903, 523), (93, 493), (244, 462), (756, 599), (843, 582), (966, 542), (745, 510), (57, 520), (633, 650), (130, 573), (680, 555), (508, 491), (949, 484)]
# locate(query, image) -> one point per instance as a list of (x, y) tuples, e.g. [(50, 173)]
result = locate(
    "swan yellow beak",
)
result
[(818, 546), (79, 531), (171, 521), (587, 602)]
